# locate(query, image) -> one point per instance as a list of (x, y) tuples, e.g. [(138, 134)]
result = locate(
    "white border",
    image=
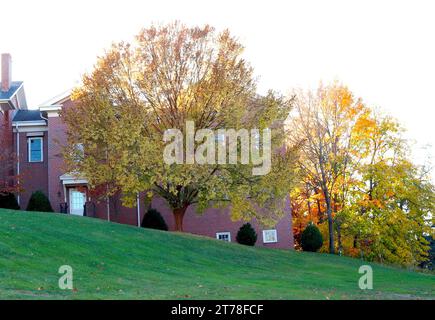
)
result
[(223, 233), (29, 139), (269, 230)]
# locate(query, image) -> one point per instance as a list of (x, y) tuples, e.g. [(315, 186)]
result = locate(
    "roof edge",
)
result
[(57, 99)]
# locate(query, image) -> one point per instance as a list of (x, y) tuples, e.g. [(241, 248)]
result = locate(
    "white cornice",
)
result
[(9, 100), (68, 179), (57, 99), (54, 107), (31, 129), (30, 123), (16, 91), (52, 110), (29, 126)]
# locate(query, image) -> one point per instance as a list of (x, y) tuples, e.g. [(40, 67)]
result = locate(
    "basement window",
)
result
[(270, 236), (224, 236), (35, 145)]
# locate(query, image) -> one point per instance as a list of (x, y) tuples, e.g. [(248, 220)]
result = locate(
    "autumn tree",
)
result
[(378, 202), (324, 122), (168, 77), (308, 206), (395, 199)]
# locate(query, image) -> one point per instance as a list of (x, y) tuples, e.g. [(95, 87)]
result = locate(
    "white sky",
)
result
[(383, 50)]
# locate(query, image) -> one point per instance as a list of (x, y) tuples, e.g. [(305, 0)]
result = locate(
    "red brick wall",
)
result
[(218, 220), (3, 125), (34, 175), (207, 224), (56, 139), (119, 213)]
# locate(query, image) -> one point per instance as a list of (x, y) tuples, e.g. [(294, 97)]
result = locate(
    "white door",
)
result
[(77, 201)]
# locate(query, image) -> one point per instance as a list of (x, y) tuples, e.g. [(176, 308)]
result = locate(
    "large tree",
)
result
[(394, 202), (324, 122), (168, 76), (355, 170)]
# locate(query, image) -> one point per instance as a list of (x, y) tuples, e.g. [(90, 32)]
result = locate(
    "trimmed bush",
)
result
[(8, 201), (246, 235), (154, 220), (39, 202), (311, 239)]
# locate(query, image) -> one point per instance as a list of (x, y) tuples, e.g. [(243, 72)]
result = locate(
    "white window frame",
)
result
[(270, 230), (223, 233), (29, 150)]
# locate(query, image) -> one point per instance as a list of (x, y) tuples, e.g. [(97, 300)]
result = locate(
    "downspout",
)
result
[(46, 119), (48, 155), (138, 209), (18, 162), (107, 203), (108, 208), (107, 194), (65, 196)]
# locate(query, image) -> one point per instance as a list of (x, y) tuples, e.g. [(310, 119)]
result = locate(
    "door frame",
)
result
[(70, 191)]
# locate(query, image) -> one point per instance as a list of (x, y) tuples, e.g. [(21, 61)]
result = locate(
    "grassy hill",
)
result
[(123, 262)]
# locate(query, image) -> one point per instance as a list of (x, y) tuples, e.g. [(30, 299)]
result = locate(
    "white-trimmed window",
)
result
[(224, 236), (35, 149), (270, 236)]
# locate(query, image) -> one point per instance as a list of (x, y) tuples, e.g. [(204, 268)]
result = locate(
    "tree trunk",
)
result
[(309, 210), (327, 194), (319, 209), (340, 246), (330, 225), (338, 224), (178, 216)]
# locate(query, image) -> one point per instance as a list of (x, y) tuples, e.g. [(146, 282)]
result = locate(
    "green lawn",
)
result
[(113, 261)]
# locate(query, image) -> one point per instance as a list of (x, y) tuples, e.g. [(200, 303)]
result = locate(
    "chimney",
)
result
[(6, 72)]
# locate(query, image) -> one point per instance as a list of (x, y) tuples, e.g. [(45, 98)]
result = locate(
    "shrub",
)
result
[(39, 202), (311, 239), (8, 201), (246, 235), (154, 220), (430, 263)]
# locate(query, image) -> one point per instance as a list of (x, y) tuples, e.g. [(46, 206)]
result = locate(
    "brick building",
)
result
[(36, 137)]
